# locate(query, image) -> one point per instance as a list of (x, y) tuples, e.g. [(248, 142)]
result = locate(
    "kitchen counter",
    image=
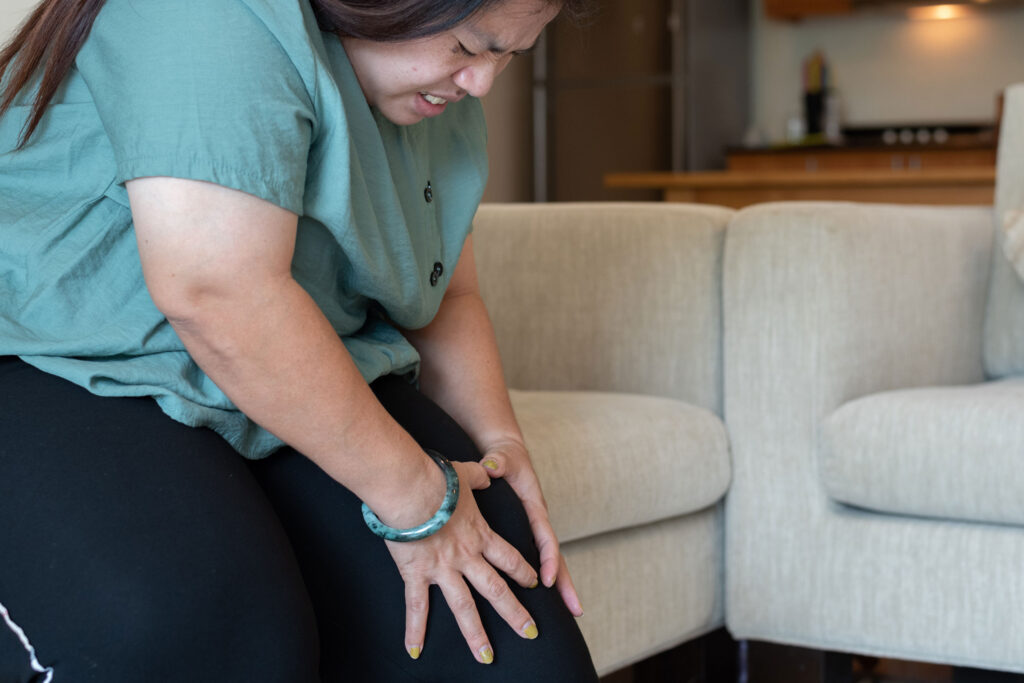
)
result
[(849, 157), (939, 186)]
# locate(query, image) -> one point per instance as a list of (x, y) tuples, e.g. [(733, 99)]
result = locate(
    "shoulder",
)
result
[(236, 47), (183, 88), (232, 29), (198, 12)]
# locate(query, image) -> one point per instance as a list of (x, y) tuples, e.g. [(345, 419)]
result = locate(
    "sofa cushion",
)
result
[(1004, 315), (950, 452), (609, 461)]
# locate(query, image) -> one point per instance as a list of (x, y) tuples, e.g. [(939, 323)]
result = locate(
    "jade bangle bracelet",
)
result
[(432, 525)]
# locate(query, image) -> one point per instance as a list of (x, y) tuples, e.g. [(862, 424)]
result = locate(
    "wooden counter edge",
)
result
[(787, 179)]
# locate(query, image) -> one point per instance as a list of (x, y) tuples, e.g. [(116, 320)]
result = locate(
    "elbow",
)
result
[(183, 303), (204, 311)]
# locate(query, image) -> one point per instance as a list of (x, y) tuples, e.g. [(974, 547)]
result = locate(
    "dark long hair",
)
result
[(50, 38), (54, 33)]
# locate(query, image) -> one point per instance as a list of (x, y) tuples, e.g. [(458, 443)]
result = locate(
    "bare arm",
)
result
[(217, 263), (219, 267), (461, 371)]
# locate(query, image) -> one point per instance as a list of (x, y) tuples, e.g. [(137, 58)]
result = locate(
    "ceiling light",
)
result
[(939, 12)]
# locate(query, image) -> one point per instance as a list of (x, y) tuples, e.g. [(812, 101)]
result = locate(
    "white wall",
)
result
[(889, 69), (12, 13)]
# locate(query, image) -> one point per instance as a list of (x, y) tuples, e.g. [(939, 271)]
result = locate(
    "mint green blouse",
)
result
[(251, 95)]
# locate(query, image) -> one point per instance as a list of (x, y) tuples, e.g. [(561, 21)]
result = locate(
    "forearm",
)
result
[(461, 370), (271, 350)]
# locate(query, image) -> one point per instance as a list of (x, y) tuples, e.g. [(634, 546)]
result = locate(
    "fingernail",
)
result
[(414, 652), (534, 584), (486, 654), (530, 631), (491, 465)]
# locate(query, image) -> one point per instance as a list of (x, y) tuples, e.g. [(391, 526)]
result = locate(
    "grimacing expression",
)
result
[(408, 81)]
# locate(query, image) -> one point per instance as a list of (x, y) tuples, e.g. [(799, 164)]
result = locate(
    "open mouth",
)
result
[(433, 99)]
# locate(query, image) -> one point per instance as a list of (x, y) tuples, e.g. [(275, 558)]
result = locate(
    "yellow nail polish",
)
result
[(486, 654), (530, 631), (414, 652), (491, 465)]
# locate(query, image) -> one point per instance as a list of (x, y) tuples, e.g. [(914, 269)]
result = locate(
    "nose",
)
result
[(477, 79)]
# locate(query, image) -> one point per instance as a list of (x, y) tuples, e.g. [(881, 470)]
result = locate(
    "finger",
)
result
[(474, 474), (527, 487), (495, 464), (547, 542), (417, 602), (567, 589), (460, 600), (505, 557), (497, 592)]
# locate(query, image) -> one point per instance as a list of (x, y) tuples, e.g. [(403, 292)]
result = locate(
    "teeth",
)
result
[(433, 99)]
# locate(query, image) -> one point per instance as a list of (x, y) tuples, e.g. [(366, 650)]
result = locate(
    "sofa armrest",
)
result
[(606, 297), (825, 302)]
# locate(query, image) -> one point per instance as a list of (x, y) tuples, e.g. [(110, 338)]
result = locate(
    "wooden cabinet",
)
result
[(647, 85), (608, 91), (797, 9)]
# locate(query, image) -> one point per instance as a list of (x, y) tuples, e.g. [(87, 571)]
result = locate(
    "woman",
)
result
[(256, 213)]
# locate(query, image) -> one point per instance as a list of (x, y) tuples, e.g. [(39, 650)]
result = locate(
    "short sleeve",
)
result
[(202, 89)]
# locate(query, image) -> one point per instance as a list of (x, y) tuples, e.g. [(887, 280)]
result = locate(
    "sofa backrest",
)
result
[(1004, 317), (606, 297)]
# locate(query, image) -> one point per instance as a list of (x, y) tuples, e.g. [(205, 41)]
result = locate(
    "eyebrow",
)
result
[(496, 48)]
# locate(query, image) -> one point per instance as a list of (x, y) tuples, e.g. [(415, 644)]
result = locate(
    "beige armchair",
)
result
[(609, 321), (874, 396)]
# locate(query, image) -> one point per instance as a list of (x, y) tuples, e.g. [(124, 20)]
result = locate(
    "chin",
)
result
[(400, 117)]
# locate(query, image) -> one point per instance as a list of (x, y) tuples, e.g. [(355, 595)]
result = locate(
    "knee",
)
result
[(219, 622), (255, 621)]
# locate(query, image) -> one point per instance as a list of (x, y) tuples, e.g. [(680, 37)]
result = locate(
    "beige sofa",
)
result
[(874, 397), (609, 322), (869, 363)]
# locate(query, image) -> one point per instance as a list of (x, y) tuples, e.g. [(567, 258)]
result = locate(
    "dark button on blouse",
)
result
[(436, 273), (428, 192)]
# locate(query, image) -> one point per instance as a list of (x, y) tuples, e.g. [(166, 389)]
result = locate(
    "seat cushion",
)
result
[(609, 461), (949, 452)]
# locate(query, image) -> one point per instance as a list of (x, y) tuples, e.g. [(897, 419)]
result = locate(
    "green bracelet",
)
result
[(432, 525)]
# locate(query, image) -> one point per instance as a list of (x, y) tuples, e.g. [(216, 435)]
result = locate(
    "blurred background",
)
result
[(702, 85), (663, 85)]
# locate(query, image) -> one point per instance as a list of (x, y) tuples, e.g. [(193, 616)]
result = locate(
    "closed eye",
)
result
[(464, 50)]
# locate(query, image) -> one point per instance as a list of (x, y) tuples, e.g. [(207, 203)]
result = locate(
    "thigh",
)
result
[(358, 593), (138, 549)]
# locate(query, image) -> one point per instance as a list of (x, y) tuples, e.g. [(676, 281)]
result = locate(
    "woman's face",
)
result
[(411, 80)]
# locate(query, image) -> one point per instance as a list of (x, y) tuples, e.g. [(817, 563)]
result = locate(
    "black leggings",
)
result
[(136, 549)]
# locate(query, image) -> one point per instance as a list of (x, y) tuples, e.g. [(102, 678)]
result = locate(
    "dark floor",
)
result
[(717, 658)]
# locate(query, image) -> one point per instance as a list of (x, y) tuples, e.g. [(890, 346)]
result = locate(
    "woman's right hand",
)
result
[(465, 549)]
